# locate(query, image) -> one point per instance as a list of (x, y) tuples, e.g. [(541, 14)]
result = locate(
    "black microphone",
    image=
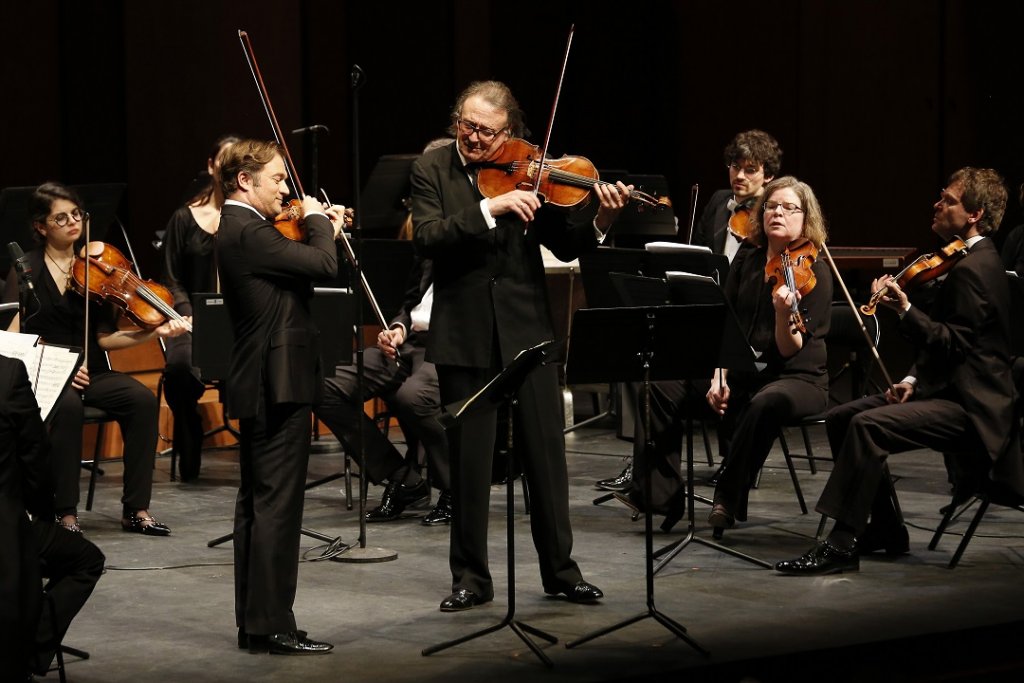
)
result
[(315, 128), (21, 265)]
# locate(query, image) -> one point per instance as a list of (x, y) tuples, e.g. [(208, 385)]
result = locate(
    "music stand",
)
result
[(386, 194), (642, 345), (499, 393)]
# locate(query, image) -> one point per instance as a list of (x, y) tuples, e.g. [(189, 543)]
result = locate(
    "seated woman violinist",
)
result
[(786, 328), (57, 314)]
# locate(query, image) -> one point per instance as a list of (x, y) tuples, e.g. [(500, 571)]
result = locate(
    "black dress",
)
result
[(189, 267)]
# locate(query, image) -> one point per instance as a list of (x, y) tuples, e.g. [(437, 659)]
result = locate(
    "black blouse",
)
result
[(751, 299), (189, 263), (60, 318)]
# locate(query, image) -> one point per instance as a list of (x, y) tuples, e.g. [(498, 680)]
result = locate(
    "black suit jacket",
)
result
[(267, 282), (485, 280), (711, 230), (25, 479), (964, 354)]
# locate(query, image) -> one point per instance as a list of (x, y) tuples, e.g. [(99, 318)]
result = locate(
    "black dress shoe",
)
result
[(634, 502), (396, 498), (148, 526), (442, 512), (892, 541), (582, 593), (823, 558), (461, 600), (619, 483), (243, 639), (290, 643)]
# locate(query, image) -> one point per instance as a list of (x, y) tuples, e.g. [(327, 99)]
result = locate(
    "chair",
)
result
[(991, 493), (100, 418), (59, 646)]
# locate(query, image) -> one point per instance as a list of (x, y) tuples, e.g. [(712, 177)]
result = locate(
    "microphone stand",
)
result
[(314, 149), (362, 552)]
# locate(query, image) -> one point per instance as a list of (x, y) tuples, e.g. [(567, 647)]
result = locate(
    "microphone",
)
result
[(21, 265), (315, 128)]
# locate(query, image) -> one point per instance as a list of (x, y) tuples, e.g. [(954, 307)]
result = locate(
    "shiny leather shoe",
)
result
[(243, 640), (461, 600), (396, 498), (893, 542), (823, 558), (582, 593), (148, 526), (442, 512), (619, 483), (290, 643)]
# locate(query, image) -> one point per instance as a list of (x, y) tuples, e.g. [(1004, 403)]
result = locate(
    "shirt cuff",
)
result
[(909, 379), (599, 234), (903, 312), (488, 218)]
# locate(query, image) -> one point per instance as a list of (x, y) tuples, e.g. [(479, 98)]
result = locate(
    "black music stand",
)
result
[(500, 393), (640, 345)]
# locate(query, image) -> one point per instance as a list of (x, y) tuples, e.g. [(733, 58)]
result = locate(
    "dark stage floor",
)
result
[(163, 611)]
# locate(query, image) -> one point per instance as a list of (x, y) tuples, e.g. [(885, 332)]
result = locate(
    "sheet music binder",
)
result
[(50, 367)]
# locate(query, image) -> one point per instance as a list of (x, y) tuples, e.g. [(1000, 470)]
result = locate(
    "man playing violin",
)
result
[(956, 399), (274, 379), (490, 302), (753, 158)]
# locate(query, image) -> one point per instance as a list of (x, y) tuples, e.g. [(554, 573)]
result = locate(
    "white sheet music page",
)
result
[(49, 367)]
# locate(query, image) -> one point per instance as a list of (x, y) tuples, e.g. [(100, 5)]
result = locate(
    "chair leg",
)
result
[(821, 527), (707, 443), (526, 493), (95, 468), (348, 481), (796, 481), (810, 451), (982, 508)]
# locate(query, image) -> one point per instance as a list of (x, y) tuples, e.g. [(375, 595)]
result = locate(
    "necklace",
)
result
[(65, 271)]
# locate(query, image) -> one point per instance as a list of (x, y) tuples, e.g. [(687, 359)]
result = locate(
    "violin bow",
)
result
[(694, 191), (860, 320), (551, 120), (250, 58), (85, 334)]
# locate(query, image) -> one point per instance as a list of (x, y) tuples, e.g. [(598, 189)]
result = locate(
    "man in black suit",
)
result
[(29, 631), (753, 159), (396, 371), (490, 302), (274, 380), (958, 397)]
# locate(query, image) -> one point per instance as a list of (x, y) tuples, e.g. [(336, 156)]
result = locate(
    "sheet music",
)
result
[(50, 367), (675, 247)]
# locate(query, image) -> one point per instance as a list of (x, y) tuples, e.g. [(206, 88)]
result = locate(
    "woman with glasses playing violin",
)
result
[(789, 341), (58, 316), (752, 159), (190, 267)]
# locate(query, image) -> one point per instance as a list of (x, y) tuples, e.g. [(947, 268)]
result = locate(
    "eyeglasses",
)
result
[(748, 169), (788, 208), (63, 218), (485, 134)]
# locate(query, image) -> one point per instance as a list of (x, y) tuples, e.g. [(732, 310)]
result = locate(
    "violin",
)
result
[(101, 270), (923, 269), (740, 223), (291, 221), (566, 181), (794, 268)]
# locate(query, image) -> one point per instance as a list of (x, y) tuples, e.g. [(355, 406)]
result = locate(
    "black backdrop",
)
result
[(874, 102)]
